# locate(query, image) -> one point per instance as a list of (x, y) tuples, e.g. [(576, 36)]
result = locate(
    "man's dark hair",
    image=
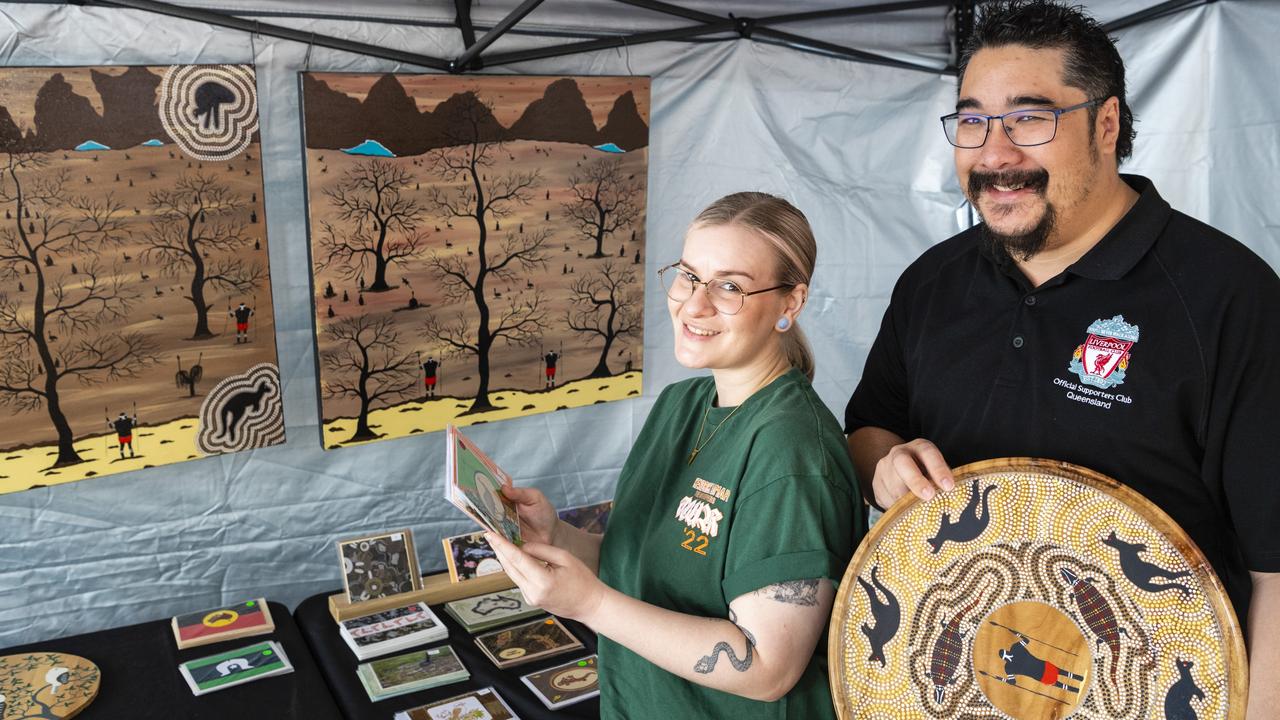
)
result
[(1092, 62)]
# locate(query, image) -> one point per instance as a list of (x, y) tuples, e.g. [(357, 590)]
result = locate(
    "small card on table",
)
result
[(411, 672), (235, 667), (565, 684), (526, 642), (377, 566), (483, 704), (251, 617), (484, 612)]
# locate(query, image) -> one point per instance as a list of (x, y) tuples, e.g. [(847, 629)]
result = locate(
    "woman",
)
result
[(736, 508)]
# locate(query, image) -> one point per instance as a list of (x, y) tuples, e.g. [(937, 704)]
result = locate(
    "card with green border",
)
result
[(235, 667)]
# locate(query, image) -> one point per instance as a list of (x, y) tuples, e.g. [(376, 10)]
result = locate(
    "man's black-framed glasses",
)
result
[(1025, 128), (727, 297)]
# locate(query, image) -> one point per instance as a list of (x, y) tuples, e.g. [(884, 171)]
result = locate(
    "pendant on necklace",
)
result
[(693, 455)]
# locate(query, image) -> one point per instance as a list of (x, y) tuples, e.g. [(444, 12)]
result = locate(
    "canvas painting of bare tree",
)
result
[(135, 305), (477, 246)]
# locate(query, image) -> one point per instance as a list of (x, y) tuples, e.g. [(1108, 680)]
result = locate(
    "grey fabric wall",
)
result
[(857, 147)]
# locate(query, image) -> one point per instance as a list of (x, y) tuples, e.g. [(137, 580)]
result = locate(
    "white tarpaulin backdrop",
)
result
[(857, 147)]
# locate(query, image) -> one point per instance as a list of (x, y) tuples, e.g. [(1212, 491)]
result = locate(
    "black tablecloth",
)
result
[(338, 664), (140, 677)]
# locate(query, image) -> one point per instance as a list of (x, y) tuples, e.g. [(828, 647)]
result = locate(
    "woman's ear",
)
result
[(796, 299)]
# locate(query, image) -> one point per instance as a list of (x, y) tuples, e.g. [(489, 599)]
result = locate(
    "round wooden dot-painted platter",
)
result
[(1034, 590), (46, 685)]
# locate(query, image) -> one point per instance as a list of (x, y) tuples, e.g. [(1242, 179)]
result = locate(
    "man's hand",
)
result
[(897, 467)]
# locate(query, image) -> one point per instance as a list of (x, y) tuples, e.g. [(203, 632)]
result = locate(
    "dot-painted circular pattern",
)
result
[(210, 111), (1035, 589)]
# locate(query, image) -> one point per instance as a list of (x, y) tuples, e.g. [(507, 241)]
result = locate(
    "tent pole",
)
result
[(1153, 12), (518, 56), (472, 53), (852, 11), (463, 21)]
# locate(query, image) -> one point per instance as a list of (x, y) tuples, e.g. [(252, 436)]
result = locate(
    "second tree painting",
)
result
[(477, 246)]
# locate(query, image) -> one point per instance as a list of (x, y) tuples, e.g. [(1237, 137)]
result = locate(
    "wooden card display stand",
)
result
[(1034, 590), (436, 589)]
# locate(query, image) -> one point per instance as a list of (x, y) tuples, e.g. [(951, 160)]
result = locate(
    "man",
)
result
[(549, 361), (1019, 660), (1083, 320), (429, 369), (242, 315), (124, 431)]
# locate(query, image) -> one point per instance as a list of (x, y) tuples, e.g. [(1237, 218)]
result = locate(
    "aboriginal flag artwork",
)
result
[(252, 617), (1034, 590), (136, 323), (477, 246)]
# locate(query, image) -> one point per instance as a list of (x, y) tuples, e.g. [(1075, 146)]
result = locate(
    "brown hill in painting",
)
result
[(129, 113), (561, 115), (389, 115), (9, 133), (333, 119), (464, 118), (624, 127), (63, 118)]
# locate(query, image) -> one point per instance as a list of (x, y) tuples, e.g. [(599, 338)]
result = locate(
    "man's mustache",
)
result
[(1036, 180)]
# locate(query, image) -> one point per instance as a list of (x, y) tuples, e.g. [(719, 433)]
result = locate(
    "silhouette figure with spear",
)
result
[(123, 426)]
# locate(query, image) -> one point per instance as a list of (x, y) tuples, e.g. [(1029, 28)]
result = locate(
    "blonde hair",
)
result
[(787, 231)]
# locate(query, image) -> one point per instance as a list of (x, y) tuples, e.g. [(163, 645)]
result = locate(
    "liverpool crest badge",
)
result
[(1104, 357)]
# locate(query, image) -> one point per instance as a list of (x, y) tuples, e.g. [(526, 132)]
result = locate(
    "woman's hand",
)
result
[(538, 519), (551, 578)]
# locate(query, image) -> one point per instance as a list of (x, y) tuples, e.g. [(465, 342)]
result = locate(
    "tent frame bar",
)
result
[(270, 30), (473, 57)]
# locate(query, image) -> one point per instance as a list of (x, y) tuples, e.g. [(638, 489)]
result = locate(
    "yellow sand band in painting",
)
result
[(416, 417), (155, 445)]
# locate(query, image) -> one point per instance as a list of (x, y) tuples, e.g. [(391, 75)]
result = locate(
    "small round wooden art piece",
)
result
[(46, 686), (1034, 590)]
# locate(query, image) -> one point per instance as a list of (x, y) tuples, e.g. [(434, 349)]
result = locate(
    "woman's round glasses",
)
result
[(727, 297)]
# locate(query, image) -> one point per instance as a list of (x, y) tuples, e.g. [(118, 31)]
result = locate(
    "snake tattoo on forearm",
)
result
[(708, 663)]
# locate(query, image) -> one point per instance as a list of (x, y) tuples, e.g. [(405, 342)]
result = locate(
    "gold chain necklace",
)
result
[(697, 446)]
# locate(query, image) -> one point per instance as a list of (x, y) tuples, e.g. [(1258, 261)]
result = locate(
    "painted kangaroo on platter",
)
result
[(1177, 703), (972, 521), (1142, 573), (886, 614)]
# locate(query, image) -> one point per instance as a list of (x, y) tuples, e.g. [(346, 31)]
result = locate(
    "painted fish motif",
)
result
[(948, 651), (1097, 615)]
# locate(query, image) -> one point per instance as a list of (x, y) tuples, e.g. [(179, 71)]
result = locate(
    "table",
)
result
[(338, 665), (140, 678)]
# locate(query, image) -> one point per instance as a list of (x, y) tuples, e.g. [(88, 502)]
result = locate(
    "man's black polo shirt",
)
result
[(1152, 359)]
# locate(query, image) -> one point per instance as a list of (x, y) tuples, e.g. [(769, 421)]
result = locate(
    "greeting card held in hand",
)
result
[(473, 483)]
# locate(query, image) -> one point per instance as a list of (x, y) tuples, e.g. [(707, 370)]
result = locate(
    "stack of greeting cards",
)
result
[(235, 667), (393, 630), (411, 672), (485, 612), (527, 642), (483, 704), (473, 484)]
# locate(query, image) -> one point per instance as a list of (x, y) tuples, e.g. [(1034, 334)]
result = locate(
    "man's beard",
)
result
[(1022, 246)]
